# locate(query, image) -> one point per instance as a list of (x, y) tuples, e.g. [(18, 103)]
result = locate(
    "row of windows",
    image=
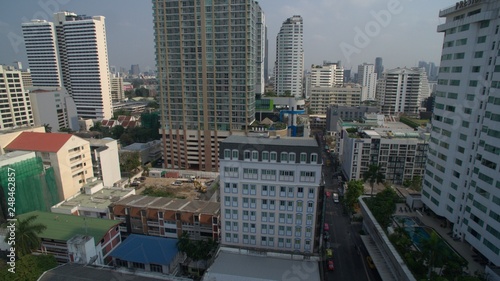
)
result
[(265, 216), (281, 230), (268, 241), (265, 190), (264, 204), (269, 156), (270, 175)]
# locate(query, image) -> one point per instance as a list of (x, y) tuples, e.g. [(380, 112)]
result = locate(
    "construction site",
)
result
[(196, 189)]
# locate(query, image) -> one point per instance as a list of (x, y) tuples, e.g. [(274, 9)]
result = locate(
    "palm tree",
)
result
[(27, 238), (373, 175), (48, 128)]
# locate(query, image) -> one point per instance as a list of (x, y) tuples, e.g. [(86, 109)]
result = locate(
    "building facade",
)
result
[(67, 154), (208, 85), (53, 106), (461, 180), (379, 67), (15, 106), (105, 160), (400, 153), (338, 113), (289, 65), (367, 78), (270, 192), (322, 97), (72, 53), (402, 90), (167, 217), (116, 85)]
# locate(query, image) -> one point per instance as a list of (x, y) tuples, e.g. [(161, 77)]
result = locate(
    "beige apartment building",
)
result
[(67, 154), (322, 97)]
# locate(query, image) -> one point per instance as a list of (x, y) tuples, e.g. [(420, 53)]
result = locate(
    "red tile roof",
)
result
[(45, 142)]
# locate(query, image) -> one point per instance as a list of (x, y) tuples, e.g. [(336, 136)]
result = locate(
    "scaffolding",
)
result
[(35, 187)]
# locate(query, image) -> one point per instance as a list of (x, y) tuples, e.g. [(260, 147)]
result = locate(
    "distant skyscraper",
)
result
[(134, 69), (462, 179), (72, 52), (266, 59), (402, 90), (367, 78), (379, 67), (207, 60), (289, 65), (14, 100)]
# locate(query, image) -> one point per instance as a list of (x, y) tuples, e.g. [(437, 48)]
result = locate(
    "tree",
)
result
[(66, 130), (354, 190), (373, 175), (29, 268), (129, 161), (416, 183), (431, 252), (119, 112), (117, 131), (97, 127), (48, 128), (27, 235), (153, 104)]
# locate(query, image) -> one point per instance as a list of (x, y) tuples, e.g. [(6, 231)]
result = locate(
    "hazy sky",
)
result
[(402, 32)]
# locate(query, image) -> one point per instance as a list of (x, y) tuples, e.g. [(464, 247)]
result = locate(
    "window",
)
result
[(310, 206), (245, 189), (307, 176), (286, 176), (314, 158), (255, 155), (246, 155), (311, 193), (300, 192), (299, 206), (235, 188), (235, 154), (282, 205), (459, 56), (478, 55), (273, 156), (250, 173), (268, 174), (481, 39), (265, 155), (303, 157), (284, 157), (291, 157), (231, 172), (272, 190), (227, 154), (264, 190), (227, 187)]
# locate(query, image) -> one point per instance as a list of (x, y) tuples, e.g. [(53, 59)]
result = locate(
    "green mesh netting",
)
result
[(36, 188)]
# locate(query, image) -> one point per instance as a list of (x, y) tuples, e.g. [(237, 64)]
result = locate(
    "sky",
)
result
[(402, 32)]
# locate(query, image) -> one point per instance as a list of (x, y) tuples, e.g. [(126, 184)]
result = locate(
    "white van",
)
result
[(335, 197)]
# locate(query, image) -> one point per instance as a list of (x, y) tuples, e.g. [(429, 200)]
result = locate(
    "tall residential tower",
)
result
[(289, 65), (462, 180), (208, 56), (72, 52)]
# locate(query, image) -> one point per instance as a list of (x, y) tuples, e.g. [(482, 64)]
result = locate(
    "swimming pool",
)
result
[(403, 221), (418, 235)]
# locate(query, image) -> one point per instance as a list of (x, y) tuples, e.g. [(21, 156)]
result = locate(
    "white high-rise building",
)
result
[(462, 181), (327, 75), (15, 105), (367, 78), (289, 65), (72, 52), (117, 92), (270, 189), (402, 90), (54, 107), (41, 49), (208, 60)]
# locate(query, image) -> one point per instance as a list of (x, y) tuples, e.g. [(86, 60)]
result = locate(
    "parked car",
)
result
[(329, 253), (370, 262), (326, 227), (331, 266)]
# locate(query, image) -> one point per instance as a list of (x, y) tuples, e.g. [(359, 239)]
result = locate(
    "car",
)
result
[(326, 236), (328, 194), (335, 197), (142, 178), (329, 253), (331, 266), (326, 227), (370, 262), (135, 184)]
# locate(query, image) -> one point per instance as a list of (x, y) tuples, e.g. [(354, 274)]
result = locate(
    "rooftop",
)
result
[(282, 141), (15, 154), (45, 142), (71, 271), (146, 249), (142, 201), (99, 142), (140, 146), (231, 266), (63, 227), (100, 200)]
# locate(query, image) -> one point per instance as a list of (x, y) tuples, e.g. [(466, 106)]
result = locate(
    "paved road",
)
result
[(349, 254)]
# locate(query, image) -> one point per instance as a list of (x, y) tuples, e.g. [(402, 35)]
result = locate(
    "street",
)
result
[(349, 253)]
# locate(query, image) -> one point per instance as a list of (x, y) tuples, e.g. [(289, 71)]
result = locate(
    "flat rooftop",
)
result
[(282, 141), (174, 204), (232, 266), (63, 227), (15, 154), (99, 200), (99, 142)]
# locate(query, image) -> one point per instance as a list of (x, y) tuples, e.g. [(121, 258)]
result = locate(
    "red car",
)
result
[(328, 194), (331, 267)]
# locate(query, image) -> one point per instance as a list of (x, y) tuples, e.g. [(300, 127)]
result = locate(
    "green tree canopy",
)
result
[(354, 190), (29, 268), (373, 175), (27, 238)]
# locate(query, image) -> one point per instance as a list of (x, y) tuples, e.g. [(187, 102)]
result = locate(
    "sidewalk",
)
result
[(463, 248)]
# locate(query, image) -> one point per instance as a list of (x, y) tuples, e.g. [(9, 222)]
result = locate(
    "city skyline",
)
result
[(392, 26)]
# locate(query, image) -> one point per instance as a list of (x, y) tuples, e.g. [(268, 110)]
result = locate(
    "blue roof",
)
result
[(146, 249)]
